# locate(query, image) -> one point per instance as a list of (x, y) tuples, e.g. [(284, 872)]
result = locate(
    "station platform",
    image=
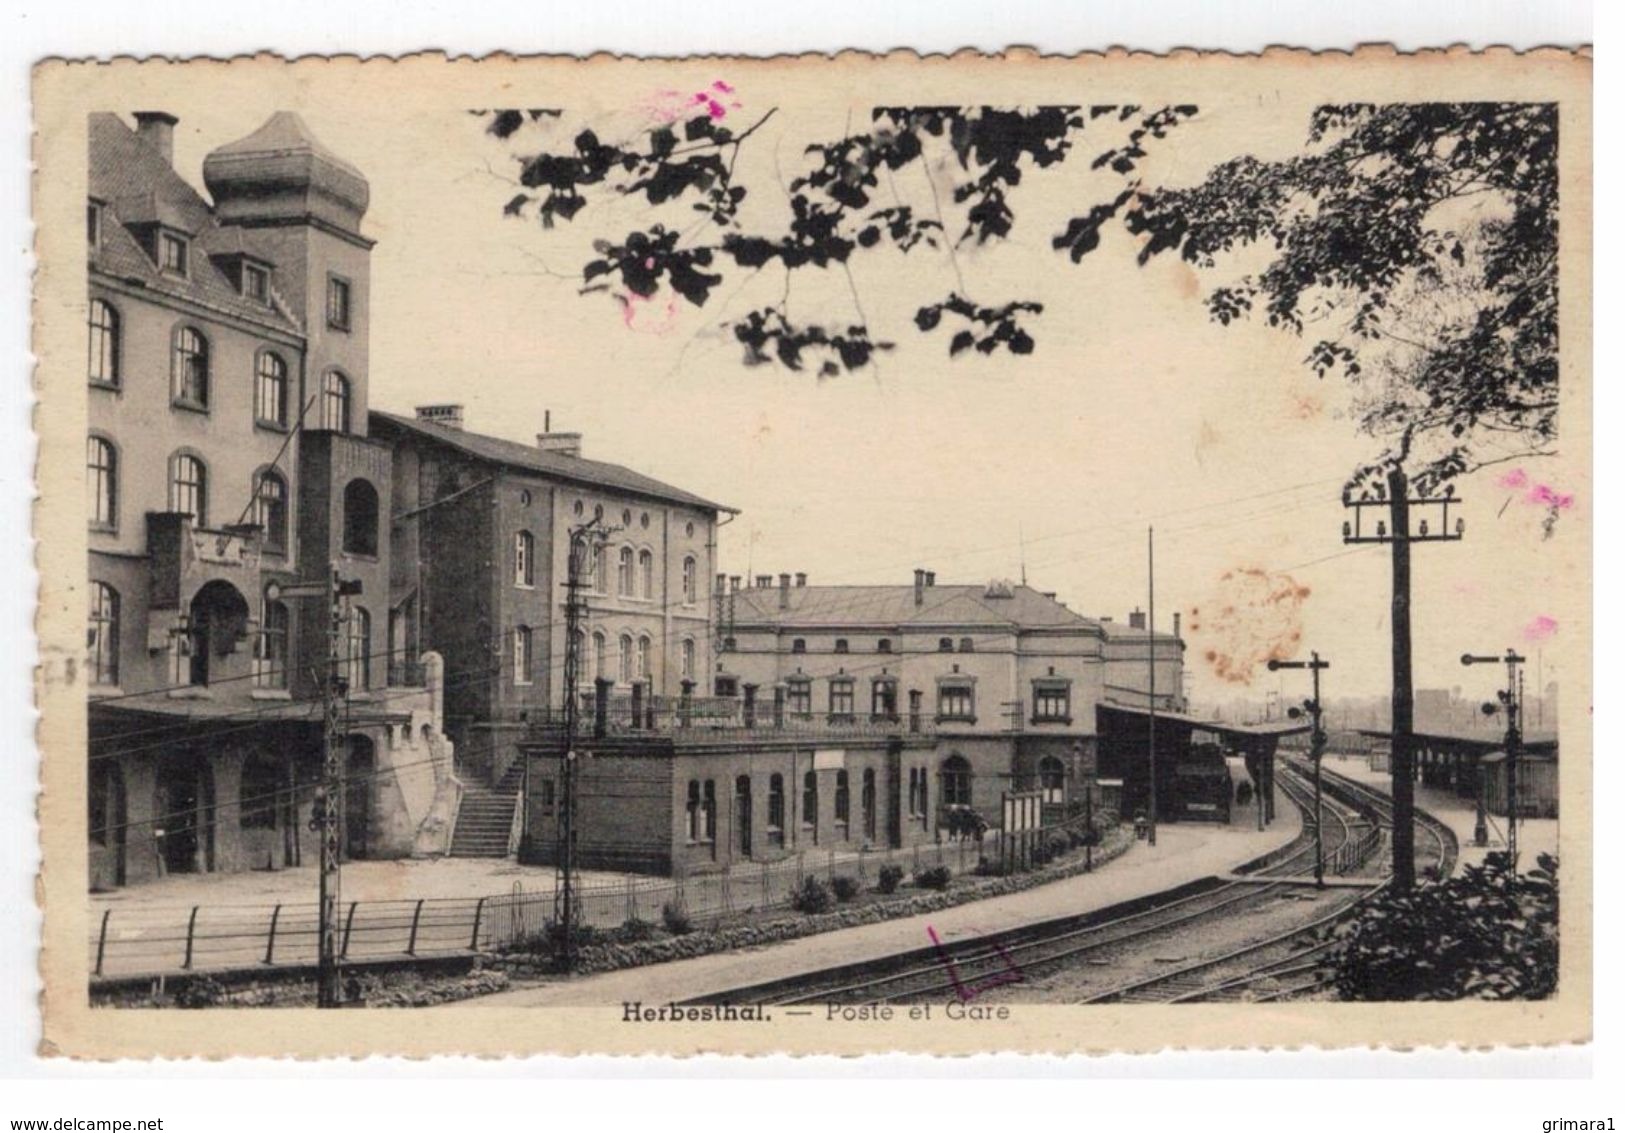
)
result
[(1535, 835), (1183, 853)]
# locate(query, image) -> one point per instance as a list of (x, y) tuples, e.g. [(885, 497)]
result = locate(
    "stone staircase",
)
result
[(485, 818)]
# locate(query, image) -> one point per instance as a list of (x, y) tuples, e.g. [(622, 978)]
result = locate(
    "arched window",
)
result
[(271, 649), (600, 646), (626, 659), (868, 803), (809, 801), (646, 574), (360, 518), (708, 812), (524, 559), (189, 368), (799, 645), (521, 655), (271, 389), (643, 658), (688, 659), (257, 795), (101, 655), (1052, 779), (189, 488), (104, 343), (358, 649), (775, 808), (843, 799), (729, 644), (945, 645), (883, 645), (840, 645), (623, 578), (690, 579), (271, 509), (967, 645), (101, 480), (336, 402), (956, 781)]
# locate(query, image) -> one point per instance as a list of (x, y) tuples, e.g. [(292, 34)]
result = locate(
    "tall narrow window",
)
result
[(271, 650), (172, 255), (775, 807), (626, 659), (840, 698), (1052, 779), (271, 509), (338, 303), (189, 488), (521, 655), (524, 559), (646, 574), (256, 283), (644, 662), (956, 781), (358, 649), (868, 803), (104, 344), (798, 698), (271, 389), (102, 640), (101, 473), (809, 801), (336, 402), (93, 223), (692, 811), (600, 647), (688, 659), (843, 799), (600, 569), (623, 579), (189, 369), (360, 518), (690, 579), (883, 699), (708, 812)]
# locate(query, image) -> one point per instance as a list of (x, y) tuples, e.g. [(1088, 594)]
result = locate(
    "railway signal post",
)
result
[(1317, 745), (1511, 699)]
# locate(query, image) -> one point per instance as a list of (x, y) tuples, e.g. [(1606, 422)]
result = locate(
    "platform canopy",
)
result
[(1447, 743), (1115, 716)]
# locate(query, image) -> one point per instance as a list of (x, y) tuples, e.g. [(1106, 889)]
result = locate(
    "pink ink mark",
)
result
[(1011, 975), (637, 315), (1540, 628), (1543, 495), (1514, 480), (670, 106)]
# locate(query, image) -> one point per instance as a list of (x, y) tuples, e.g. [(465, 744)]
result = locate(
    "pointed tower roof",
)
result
[(282, 172)]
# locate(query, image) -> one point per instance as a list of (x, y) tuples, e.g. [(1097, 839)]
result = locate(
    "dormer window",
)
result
[(172, 253), (256, 284)]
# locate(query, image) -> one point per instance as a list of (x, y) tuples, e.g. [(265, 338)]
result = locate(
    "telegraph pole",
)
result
[(565, 911), (1396, 495), (1151, 663), (1511, 699), (333, 590), (1317, 746)]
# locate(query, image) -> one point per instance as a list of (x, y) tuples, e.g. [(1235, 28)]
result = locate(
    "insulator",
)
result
[(1461, 526), (1424, 527), (1382, 529), (1348, 529)]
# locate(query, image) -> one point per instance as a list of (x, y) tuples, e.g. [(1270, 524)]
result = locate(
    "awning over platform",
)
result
[(1479, 746), (1239, 733)]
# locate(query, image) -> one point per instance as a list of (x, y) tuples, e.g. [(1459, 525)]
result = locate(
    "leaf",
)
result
[(961, 341)]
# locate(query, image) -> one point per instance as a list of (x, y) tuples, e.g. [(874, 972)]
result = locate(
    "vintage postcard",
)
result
[(823, 554)]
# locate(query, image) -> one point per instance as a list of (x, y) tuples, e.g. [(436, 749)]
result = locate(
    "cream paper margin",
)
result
[(423, 84)]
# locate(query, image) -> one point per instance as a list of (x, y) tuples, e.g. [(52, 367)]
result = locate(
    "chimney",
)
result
[(784, 592), (157, 129), (447, 416), (1176, 623), (930, 578), (801, 579), (764, 581), (919, 587), (722, 584), (733, 583), (1136, 619), (564, 444)]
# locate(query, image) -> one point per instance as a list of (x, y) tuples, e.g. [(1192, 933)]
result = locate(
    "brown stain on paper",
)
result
[(1257, 618)]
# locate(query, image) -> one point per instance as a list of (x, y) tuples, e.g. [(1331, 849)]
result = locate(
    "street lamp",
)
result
[(1317, 745), (1511, 699)]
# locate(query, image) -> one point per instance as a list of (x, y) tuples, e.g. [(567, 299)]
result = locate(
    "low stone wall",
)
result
[(609, 957)]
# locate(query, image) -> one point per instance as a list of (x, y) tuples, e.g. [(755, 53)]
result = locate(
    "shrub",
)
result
[(676, 919), (585, 935), (891, 876), (812, 896), (986, 867), (1486, 934), (634, 930), (1056, 845), (937, 877), (201, 991), (845, 888)]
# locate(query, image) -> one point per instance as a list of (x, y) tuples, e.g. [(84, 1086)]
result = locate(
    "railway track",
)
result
[(971, 966)]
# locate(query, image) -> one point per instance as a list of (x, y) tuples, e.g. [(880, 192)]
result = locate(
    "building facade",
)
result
[(227, 460), (480, 539), (1006, 677)]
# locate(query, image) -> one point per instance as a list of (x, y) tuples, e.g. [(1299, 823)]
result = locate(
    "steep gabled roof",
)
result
[(528, 458), (137, 186)]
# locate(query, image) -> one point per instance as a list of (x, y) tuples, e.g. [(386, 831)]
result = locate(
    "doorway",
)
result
[(185, 819), (742, 811)]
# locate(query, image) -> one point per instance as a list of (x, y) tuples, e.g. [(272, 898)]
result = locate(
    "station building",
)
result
[(227, 457)]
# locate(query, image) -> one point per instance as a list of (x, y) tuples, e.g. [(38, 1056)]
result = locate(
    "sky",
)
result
[(1135, 410)]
